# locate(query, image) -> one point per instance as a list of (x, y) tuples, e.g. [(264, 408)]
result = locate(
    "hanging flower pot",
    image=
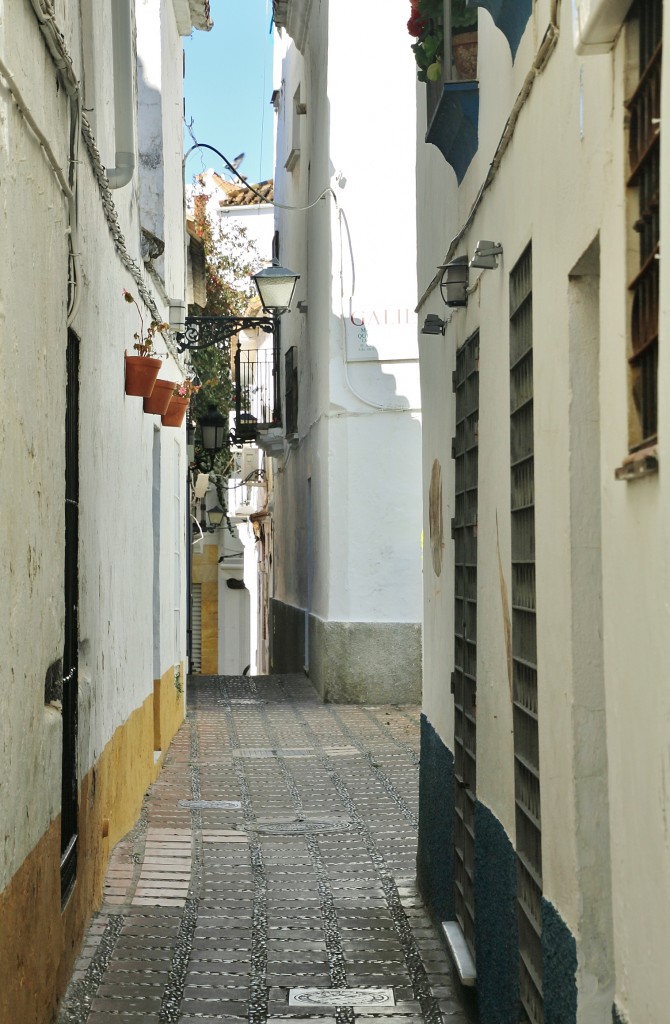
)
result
[(143, 369), (141, 374), (159, 399), (176, 410)]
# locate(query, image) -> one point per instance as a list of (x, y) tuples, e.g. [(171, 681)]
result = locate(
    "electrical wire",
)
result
[(270, 202), (342, 223), (544, 52), (57, 47)]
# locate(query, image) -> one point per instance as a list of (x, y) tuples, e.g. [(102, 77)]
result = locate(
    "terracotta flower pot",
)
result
[(141, 373), (176, 410), (464, 51), (159, 399)]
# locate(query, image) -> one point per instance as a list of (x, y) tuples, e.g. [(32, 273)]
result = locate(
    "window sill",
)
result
[(638, 464)]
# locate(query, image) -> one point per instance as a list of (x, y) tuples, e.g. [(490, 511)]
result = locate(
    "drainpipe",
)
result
[(122, 49)]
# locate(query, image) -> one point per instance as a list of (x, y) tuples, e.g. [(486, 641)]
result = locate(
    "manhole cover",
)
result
[(298, 827), (210, 805), (341, 997)]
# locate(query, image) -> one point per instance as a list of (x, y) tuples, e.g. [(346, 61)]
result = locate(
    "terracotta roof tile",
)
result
[(240, 195), (200, 14)]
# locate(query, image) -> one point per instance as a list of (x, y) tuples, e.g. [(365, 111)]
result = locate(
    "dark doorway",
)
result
[(68, 863)]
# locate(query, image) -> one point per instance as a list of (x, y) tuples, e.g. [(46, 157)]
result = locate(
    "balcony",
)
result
[(257, 402)]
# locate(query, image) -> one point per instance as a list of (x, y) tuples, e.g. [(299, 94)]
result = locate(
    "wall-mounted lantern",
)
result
[(454, 283)]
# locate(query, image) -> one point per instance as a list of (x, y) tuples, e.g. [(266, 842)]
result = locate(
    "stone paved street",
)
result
[(275, 854)]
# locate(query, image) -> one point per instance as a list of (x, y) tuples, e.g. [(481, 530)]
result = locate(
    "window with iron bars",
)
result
[(644, 130)]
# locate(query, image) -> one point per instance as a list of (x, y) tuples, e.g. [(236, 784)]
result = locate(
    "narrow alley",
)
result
[(271, 874)]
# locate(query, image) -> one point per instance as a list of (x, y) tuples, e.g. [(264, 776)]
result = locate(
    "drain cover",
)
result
[(341, 997), (210, 805), (299, 827)]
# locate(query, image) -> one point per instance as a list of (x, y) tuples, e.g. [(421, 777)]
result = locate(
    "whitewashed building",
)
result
[(229, 580), (545, 752), (92, 512), (346, 604)]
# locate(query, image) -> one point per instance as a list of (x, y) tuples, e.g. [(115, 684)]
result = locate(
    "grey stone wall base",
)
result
[(366, 662), (349, 662)]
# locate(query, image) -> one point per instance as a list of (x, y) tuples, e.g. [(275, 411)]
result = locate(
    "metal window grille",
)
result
[(466, 456), (644, 108), (524, 647)]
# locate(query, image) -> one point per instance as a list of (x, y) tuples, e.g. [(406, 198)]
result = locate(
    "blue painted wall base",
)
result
[(496, 931), (559, 966), (435, 852)]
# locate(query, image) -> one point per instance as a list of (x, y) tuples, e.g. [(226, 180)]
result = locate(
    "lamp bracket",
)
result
[(484, 256), (434, 324), (204, 332)]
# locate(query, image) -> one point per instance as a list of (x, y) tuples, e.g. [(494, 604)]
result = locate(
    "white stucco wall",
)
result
[(603, 703), (116, 552), (359, 406)]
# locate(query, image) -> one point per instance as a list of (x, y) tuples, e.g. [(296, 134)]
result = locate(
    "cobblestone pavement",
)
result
[(274, 855)]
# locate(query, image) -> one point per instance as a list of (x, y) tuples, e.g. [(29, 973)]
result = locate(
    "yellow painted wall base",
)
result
[(38, 940), (169, 707), (205, 571)]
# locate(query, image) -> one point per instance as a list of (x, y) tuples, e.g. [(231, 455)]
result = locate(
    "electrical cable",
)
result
[(56, 45), (270, 202), (544, 52), (342, 221)]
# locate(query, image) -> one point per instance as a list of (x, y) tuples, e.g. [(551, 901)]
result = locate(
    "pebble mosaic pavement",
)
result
[(275, 852)]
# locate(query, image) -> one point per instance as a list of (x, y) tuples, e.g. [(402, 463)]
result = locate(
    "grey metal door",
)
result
[(68, 864)]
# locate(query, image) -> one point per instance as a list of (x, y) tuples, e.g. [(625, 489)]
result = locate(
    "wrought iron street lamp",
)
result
[(214, 430), (275, 286), (215, 515), (211, 518)]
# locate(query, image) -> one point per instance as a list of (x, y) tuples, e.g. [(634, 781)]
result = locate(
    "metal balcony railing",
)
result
[(257, 401)]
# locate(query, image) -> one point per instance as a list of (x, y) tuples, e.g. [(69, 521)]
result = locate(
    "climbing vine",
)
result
[(230, 259)]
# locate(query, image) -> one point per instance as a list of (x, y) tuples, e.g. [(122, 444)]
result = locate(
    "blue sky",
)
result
[(227, 89)]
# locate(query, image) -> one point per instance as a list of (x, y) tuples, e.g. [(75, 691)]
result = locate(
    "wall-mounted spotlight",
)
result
[(454, 283), (485, 255), (433, 324)]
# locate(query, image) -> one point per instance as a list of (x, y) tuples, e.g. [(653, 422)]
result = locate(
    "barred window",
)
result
[(644, 107)]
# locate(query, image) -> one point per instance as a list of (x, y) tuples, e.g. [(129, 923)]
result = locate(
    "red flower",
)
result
[(416, 23)]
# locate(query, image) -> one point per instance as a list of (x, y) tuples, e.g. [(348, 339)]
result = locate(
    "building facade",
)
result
[(228, 582), (545, 728), (346, 522), (92, 517)]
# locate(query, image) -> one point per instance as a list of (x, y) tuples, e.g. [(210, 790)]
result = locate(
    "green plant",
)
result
[(426, 24), (144, 343), (230, 259), (463, 18)]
